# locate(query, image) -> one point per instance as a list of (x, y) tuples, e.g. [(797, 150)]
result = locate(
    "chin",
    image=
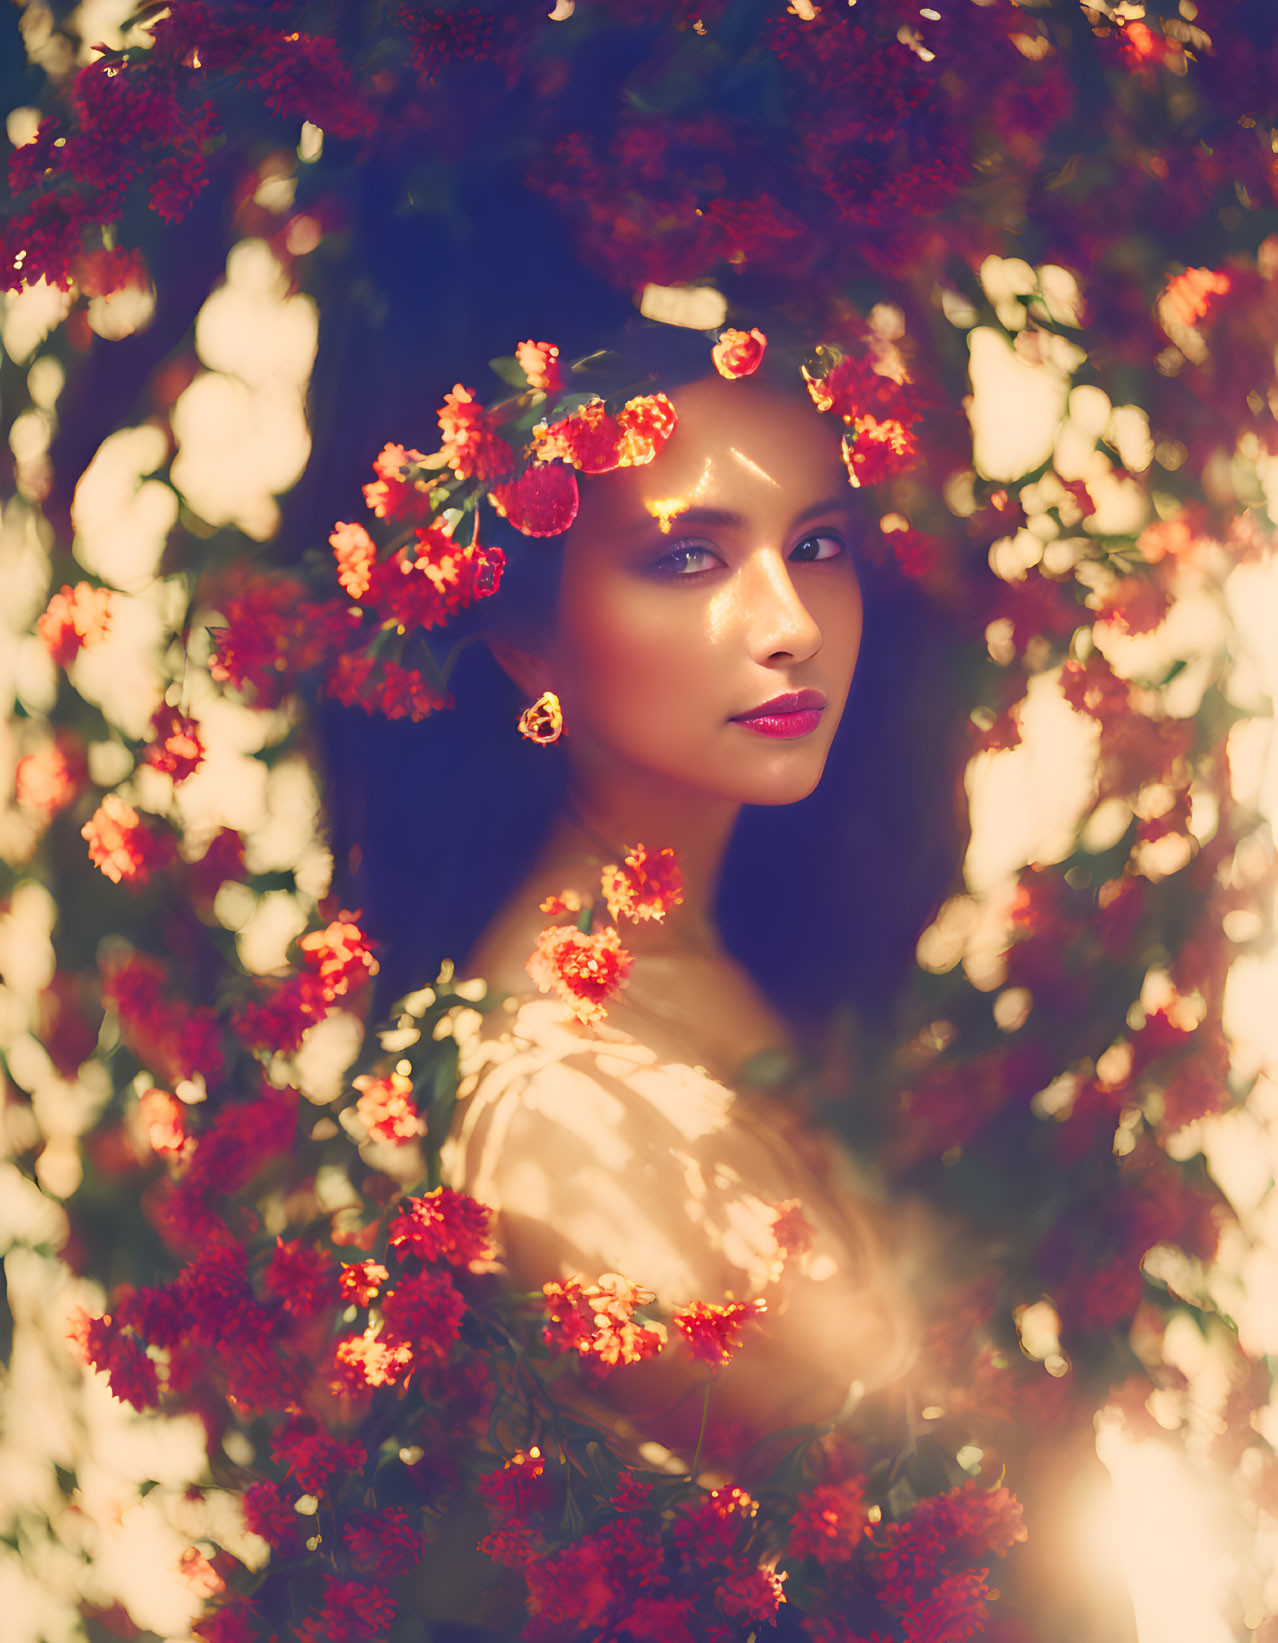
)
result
[(783, 786)]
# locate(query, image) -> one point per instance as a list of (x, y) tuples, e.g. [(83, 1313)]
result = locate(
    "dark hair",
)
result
[(433, 824)]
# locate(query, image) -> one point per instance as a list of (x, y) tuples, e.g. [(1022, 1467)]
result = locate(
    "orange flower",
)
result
[(874, 451), (583, 969), (713, 1333), (121, 844), (356, 554), (392, 495), (739, 353), (474, 448), (387, 1107), (339, 955), (646, 424), (569, 902), (46, 779), (596, 1320), (165, 1119), (594, 441), (647, 887), (77, 617), (539, 362), (361, 1361)]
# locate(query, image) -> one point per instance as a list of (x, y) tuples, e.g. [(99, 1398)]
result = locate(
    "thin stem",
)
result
[(701, 1435)]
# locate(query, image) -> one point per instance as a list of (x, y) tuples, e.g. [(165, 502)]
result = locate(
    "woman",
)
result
[(687, 594), (695, 591)]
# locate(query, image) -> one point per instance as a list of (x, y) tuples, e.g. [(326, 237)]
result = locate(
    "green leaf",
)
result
[(509, 370)]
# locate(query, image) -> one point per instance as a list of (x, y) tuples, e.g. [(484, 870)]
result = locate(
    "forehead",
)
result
[(743, 445)]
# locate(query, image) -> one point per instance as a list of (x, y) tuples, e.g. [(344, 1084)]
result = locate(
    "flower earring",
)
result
[(544, 720)]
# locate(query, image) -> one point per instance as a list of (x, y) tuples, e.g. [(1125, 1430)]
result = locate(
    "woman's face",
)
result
[(664, 638)]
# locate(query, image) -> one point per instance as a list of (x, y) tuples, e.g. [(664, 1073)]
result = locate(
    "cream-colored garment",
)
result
[(597, 1155)]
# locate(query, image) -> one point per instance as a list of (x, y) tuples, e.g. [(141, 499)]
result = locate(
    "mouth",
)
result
[(795, 714)]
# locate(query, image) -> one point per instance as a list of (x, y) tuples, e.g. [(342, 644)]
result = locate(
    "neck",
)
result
[(596, 828)]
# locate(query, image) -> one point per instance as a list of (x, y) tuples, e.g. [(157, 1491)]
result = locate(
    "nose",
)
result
[(780, 623)]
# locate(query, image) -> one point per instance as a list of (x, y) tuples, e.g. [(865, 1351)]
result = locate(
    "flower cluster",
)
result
[(585, 967), (596, 1321)]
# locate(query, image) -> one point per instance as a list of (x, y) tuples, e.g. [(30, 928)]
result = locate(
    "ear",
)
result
[(526, 669)]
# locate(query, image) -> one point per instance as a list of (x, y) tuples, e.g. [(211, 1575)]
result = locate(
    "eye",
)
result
[(833, 544), (670, 564)]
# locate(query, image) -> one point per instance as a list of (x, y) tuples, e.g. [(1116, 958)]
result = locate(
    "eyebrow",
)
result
[(725, 516)]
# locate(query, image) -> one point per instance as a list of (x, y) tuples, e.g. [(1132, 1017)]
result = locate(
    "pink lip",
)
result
[(783, 724), (795, 714)]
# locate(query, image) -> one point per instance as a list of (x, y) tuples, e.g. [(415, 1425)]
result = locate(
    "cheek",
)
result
[(634, 663)]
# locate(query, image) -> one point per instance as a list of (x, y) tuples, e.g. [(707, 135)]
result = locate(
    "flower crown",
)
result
[(521, 456)]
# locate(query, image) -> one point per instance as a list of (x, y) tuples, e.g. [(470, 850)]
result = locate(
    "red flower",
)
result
[(713, 1333), (592, 440), (596, 1320), (539, 362), (875, 450), (384, 687), (752, 1595), (709, 1532), (1093, 687), (120, 1355), (915, 553), (356, 555), (269, 1512), (955, 1609), (383, 1544), (223, 859), (584, 969), (352, 1612), (646, 423), (830, 1522), (423, 1312), (273, 632), (302, 1277), (176, 749), (397, 492), (474, 448), (280, 1013), (512, 1496), (361, 1280), (1134, 604), (230, 1623), (647, 887), (387, 1108), (442, 577), (588, 439), (853, 389), (339, 956), (442, 1225), (312, 1457), (543, 501), (738, 353), (122, 845), (76, 618)]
